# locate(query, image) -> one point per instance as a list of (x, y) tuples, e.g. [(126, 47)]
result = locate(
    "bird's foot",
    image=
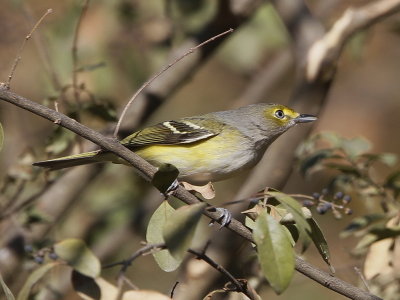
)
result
[(225, 218), (174, 185)]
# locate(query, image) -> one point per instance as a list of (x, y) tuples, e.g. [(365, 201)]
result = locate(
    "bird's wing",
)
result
[(171, 133)]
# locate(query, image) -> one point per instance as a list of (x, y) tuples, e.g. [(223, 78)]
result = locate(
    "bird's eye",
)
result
[(279, 114)]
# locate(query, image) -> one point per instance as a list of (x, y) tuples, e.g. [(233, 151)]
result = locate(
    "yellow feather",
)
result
[(210, 160)]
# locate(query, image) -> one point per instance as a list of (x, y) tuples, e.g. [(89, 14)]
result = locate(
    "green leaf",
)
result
[(388, 159), (1, 137), (393, 182), (295, 209), (78, 256), (33, 279), (370, 157), (319, 241), (275, 252), (34, 216), (288, 217), (376, 233), (315, 158), (6, 290), (249, 223), (179, 229), (333, 138), (361, 223), (385, 232), (104, 110), (292, 233), (346, 169), (165, 177), (355, 147), (363, 244), (154, 235), (91, 67), (60, 140), (85, 285)]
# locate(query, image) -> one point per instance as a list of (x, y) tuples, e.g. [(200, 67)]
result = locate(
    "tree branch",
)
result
[(328, 48), (219, 268), (147, 171), (126, 263)]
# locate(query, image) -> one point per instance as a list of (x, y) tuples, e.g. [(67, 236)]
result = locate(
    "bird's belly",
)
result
[(199, 163)]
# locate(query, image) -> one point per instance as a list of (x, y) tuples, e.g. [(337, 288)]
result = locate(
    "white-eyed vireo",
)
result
[(204, 148)]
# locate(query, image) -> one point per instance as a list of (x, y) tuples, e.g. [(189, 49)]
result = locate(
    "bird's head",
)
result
[(279, 118)]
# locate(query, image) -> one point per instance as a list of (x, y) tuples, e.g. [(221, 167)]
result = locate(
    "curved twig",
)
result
[(148, 82), (75, 51), (18, 58)]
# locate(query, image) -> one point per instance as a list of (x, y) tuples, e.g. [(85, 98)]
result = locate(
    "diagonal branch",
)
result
[(325, 51), (147, 171)]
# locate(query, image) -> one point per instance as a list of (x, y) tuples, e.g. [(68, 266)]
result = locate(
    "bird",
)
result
[(204, 148)]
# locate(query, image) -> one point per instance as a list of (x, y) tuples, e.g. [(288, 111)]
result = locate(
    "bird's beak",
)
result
[(305, 118)]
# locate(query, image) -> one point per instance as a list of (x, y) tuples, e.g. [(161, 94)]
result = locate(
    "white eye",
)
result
[(279, 114)]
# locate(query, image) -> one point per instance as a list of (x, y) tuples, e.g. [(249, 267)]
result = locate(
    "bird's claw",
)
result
[(225, 218), (174, 185)]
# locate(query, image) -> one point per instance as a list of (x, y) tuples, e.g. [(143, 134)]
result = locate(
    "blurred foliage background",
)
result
[(121, 44)]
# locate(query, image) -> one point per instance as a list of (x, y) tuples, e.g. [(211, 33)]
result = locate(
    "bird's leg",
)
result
[(208, 192)]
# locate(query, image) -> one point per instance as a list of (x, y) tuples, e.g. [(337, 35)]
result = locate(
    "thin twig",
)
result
[(26, 202), (173, 289), (75, 51), (43, 50), (363, 279), (129, 283), (122, 279), (45, 56), (18, 58), (127, 262), (148, 82), (219, 268), (120, 284), (20, 186), (199, 255)]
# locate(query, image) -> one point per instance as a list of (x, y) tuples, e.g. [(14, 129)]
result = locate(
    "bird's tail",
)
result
[(73, 160)]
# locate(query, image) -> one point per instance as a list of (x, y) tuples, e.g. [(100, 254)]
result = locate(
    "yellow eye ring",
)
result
[(279, 114)]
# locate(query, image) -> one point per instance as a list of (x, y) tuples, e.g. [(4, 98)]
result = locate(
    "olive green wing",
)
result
[(167, 133), (173, 132)]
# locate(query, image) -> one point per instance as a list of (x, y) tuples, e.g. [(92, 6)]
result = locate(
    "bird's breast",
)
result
[(213, 159)]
